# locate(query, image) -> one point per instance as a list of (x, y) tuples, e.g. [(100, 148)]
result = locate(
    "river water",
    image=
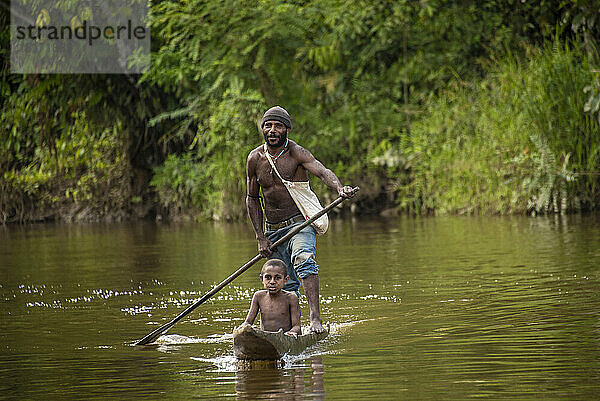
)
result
[(419, 308)]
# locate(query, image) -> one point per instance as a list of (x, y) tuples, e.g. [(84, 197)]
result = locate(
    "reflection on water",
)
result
[(260, 380), (420, 308)]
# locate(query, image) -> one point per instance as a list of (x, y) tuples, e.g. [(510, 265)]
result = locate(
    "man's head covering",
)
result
[(278, 114)]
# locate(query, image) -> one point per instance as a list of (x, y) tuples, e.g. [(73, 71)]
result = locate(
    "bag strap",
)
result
[(270, 159)]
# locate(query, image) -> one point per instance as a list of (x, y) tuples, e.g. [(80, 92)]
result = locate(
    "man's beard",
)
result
[(279, 143)]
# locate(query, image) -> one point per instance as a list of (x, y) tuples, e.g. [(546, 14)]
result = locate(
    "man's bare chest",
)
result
[(287, 167)]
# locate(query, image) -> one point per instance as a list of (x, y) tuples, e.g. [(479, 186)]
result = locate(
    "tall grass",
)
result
[(567, 137), (519, 141)]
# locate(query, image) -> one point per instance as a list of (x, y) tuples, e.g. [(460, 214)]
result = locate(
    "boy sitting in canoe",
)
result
[(279, 309)]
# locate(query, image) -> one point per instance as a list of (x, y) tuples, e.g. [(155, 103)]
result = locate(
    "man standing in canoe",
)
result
[(280, 158)]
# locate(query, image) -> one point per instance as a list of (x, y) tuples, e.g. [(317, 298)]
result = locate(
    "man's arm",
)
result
[(255, 212), (311, 164), (294, 316)]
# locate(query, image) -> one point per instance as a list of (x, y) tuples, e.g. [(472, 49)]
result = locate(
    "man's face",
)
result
[(275, 133)]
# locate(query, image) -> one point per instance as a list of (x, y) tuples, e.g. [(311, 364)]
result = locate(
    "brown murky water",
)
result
[(427, 308)]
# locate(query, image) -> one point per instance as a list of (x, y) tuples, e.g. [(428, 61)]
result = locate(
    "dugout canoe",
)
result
[(251, 343)]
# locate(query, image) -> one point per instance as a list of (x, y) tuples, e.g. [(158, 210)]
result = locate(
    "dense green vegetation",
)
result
[(518, 140), (434, 106)]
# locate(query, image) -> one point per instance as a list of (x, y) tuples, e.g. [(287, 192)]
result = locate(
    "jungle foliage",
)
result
[(435, 106)]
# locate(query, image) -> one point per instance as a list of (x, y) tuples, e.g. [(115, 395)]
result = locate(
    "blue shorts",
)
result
[(298, 254)]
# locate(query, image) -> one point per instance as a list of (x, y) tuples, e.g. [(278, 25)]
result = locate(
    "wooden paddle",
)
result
[(163, 329)]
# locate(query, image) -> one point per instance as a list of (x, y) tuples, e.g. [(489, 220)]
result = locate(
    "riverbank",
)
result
[(393, 99)]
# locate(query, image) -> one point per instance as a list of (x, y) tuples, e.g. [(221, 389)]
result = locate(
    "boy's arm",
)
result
[(253, 311), (294, 316)]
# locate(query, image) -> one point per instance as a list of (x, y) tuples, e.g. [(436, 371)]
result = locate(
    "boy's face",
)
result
[(273, 279)]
